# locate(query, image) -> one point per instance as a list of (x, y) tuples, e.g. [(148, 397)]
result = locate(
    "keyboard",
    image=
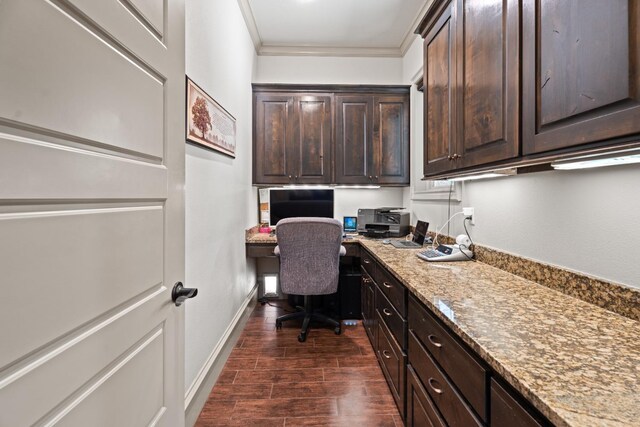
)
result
[(430, 253)]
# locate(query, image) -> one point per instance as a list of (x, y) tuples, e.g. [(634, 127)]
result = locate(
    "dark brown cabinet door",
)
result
[(581, 72), (273, 139), (391, 139), (487, 34), (439, 100), (354, 142), (312, 140)]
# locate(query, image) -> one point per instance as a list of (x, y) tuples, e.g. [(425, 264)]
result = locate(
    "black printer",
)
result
[(383, 222)]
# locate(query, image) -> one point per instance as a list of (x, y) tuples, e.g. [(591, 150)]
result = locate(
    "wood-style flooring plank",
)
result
[(366, 405), (285, 407), (360, 373), (278, 376), (318, 389), (241, 391), (296, 363)]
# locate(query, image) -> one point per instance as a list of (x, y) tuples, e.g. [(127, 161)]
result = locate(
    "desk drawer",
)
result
[(353, 249), (421, 411), (454, 410), (393, 289), (254, 250), (368, 263), (506, 411), (393, 362), (396, 323), (464, 370)]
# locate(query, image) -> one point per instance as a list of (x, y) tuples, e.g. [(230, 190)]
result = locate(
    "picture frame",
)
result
[(208, 124)]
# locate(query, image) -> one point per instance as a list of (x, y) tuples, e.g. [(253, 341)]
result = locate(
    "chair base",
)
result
[(306, 313)]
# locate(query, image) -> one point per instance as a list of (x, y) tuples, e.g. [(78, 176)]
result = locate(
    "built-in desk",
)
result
[(529, 345), (259, 245)]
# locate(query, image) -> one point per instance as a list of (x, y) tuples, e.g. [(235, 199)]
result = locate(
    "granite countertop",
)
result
[(577, 363)]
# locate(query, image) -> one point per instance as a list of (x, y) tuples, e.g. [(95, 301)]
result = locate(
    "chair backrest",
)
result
[(309, 255)]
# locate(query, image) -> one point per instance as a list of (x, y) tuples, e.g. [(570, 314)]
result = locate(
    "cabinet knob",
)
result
[(289, 176), (370, 177), (296, 176), (456, 156), (450, 157), (376, 176)]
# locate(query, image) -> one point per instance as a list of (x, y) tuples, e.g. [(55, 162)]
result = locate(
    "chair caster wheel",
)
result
[(302, 337), (337, 330), (278, 324)]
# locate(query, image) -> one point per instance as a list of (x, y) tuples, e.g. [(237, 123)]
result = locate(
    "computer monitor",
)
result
[(289, 203), (350, 224), (420, 232)]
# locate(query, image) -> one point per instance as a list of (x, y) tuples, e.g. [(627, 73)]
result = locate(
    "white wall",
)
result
[(220, 201), (328, 69), (569, 219)]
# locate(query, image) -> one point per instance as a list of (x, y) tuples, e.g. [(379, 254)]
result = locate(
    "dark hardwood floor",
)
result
[(271, 379)]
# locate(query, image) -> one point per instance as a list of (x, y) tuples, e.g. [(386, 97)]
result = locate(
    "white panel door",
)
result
[(91, 212)]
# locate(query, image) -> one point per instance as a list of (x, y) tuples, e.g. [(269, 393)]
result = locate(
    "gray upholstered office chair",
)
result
[(309, 251)]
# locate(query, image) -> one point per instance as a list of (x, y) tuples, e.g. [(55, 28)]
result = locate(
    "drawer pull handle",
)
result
[(367, 280), (434, 388), (366, 261), (387, 285), (386, 354), (432, 339), (387, 312)]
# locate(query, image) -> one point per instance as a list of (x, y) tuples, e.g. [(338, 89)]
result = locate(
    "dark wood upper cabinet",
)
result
[(331, 135), (439, 99), (292, 139), (312, 146), (487, 39), (354, 142), (391, 139), (273, 139), (471, 77), (372, 139), (581, 72)]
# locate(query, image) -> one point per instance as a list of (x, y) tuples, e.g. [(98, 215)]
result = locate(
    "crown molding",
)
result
[(281, 50), (410, 35), (250, 21)]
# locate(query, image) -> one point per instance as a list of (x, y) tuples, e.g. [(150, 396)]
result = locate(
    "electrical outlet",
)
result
[(469, 213)]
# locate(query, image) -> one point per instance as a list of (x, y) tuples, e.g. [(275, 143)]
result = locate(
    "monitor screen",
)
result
[(289, 203), (350, 224), (420, 232)]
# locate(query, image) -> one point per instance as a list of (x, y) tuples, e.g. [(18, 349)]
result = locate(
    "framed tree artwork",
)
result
[(208, 124)]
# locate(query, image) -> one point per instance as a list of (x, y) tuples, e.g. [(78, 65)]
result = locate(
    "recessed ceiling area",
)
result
[(332, 27)]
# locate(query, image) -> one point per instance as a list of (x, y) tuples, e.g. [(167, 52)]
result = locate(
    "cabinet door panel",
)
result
[(313, 140), (354, 153), (439, 77), (581, 72), (391, 139), (488, 35), (273, 139)]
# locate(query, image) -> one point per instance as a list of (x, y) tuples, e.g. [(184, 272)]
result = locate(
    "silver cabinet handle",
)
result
[(433, 340), (387, 285), (386, 354), (387, 312), (434, 388)]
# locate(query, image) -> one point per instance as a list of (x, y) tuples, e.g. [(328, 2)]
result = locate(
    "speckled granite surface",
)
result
[(577, 363), (611, 296)]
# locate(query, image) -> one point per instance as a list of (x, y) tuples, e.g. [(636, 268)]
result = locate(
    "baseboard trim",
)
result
[(196, 395)]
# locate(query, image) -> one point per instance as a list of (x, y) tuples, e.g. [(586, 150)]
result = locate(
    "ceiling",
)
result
[(333, 27)]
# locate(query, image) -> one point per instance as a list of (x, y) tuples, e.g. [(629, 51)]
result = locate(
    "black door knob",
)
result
[(179, 293)]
